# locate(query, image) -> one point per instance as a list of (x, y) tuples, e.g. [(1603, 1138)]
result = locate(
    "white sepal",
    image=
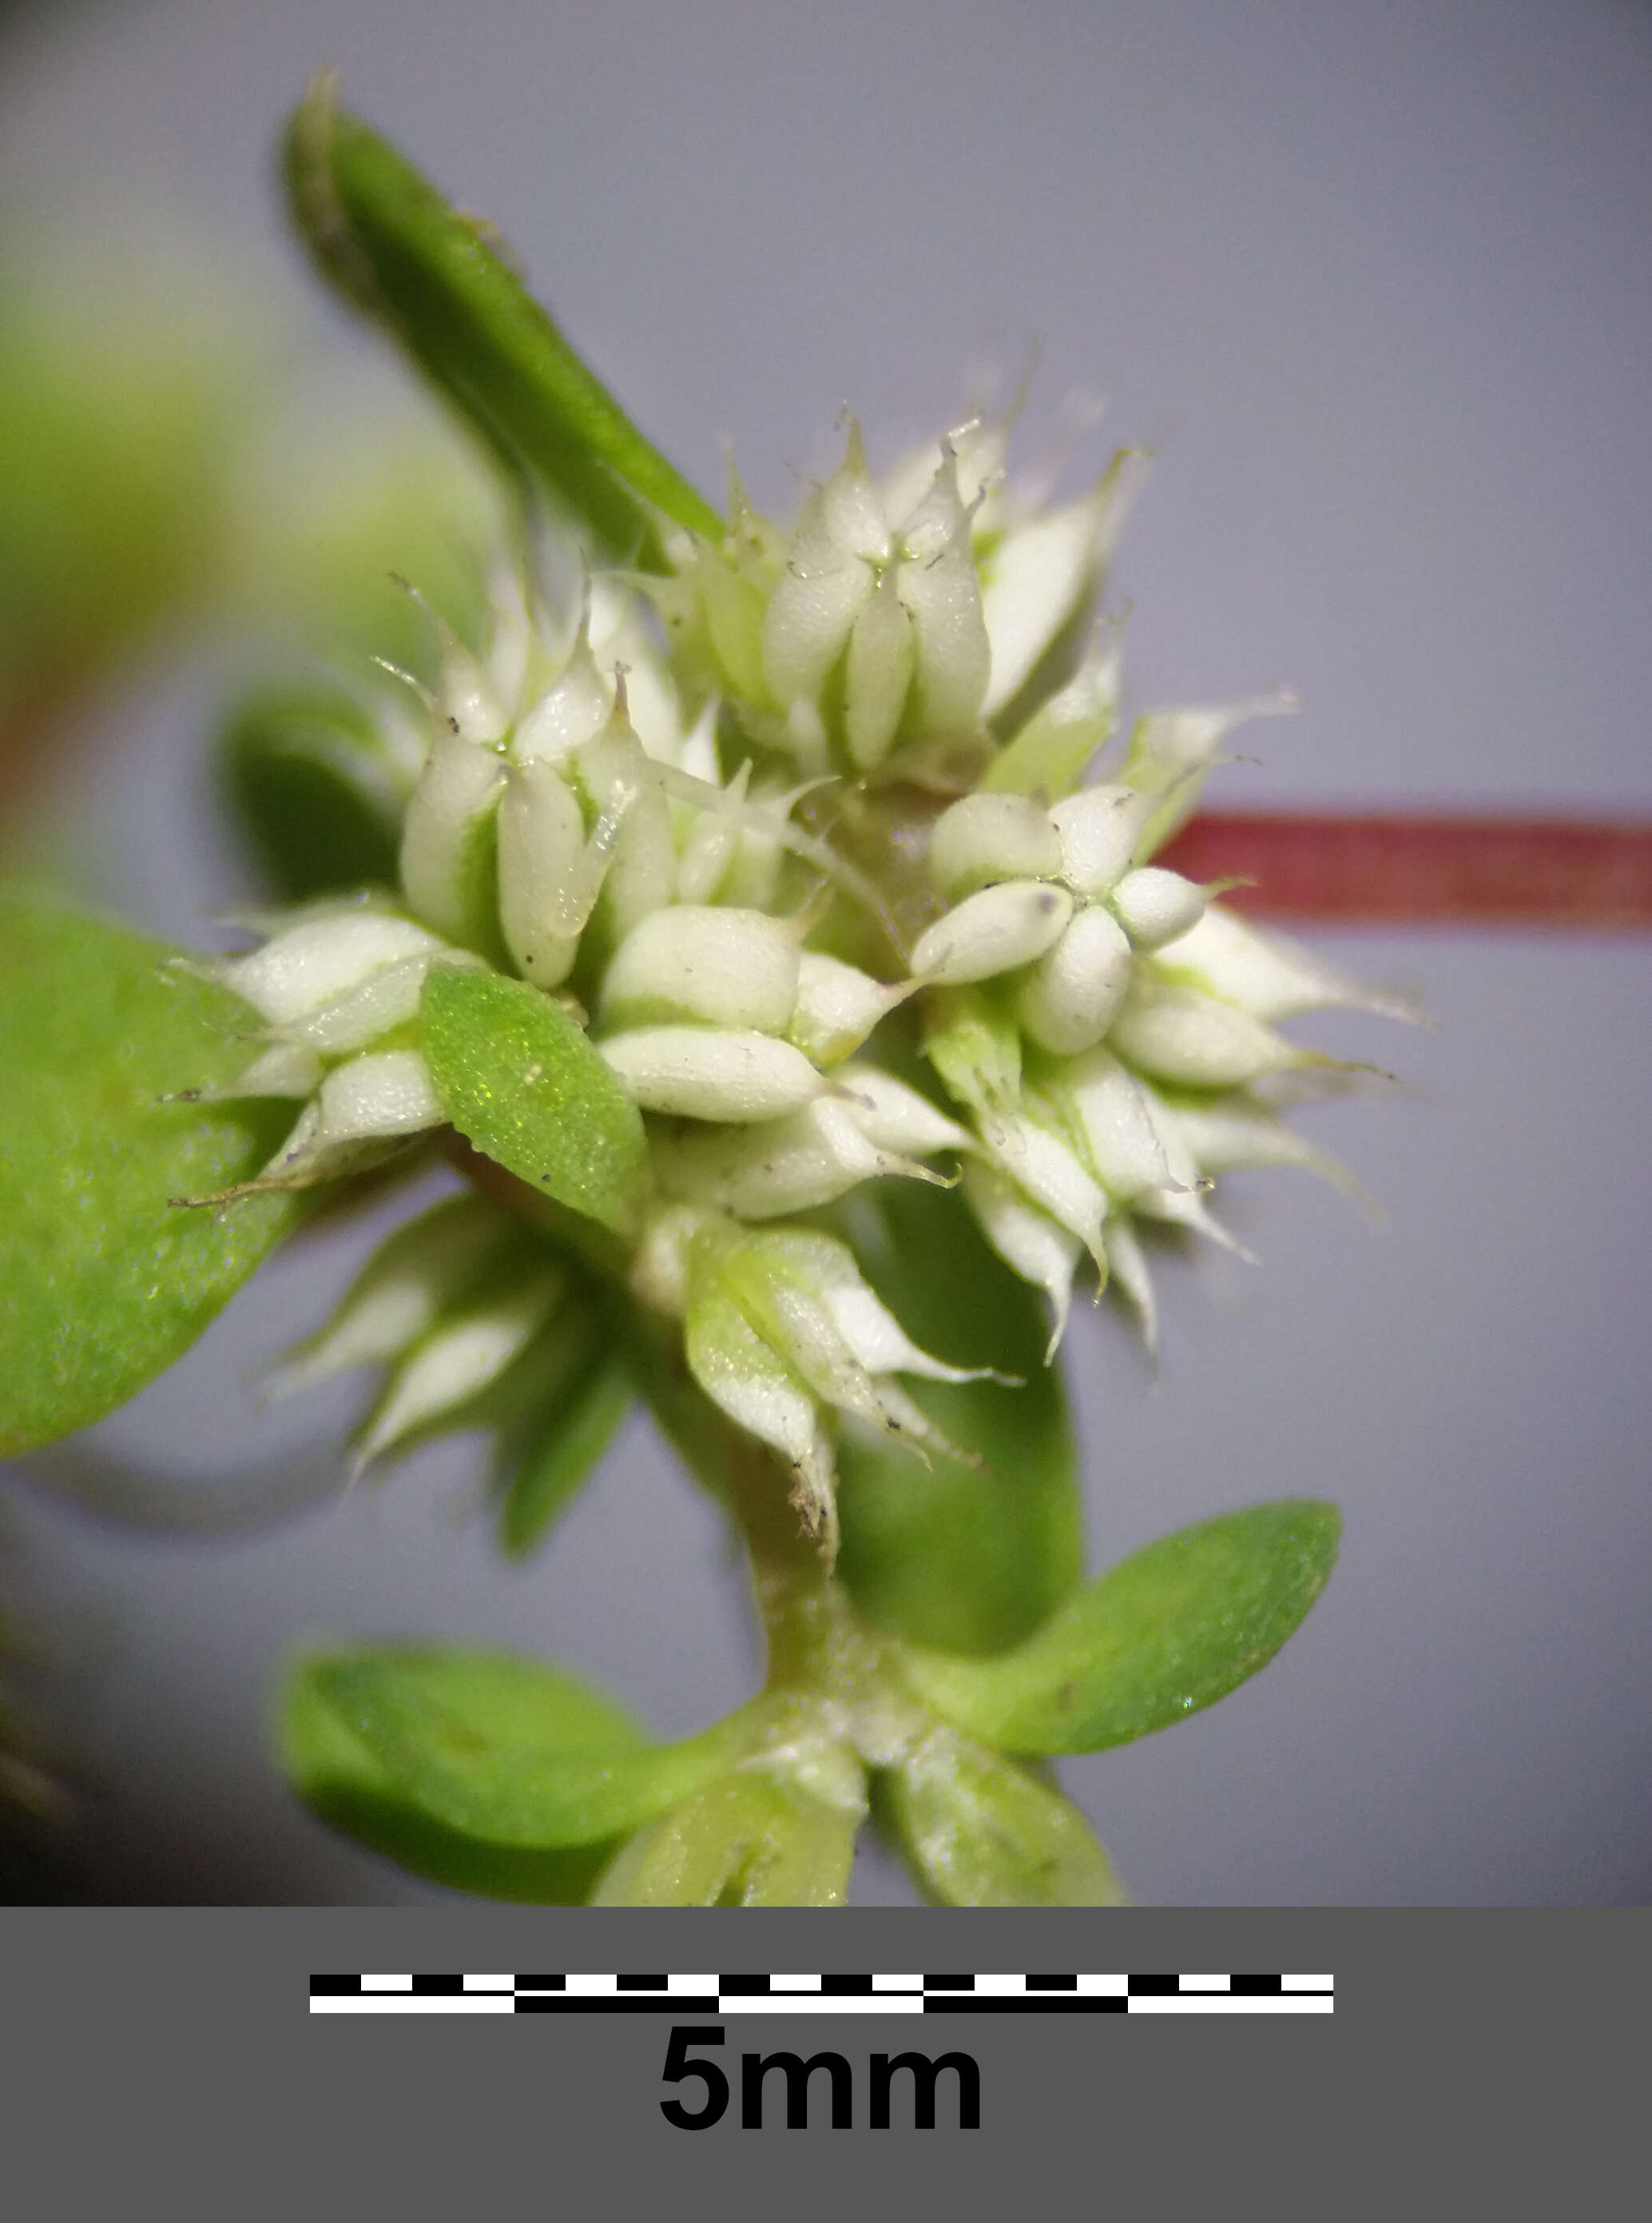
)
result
[(326, 955), (711, 1072), (984, 838), (812, 610), (379, 1096), (462, 1355), (777, 1167), (938, 586), (1171, 752), (883, 653), (444, 833), (719, 967), (1041, 572), (547, 883), (1268, 975), (895, 1117), (1049, 1175), (996, 930), (1196, 1041), (1029, 1241), (1154, 906), (1071, 996), (837, 1006), (1099, 829), (402, 1291)]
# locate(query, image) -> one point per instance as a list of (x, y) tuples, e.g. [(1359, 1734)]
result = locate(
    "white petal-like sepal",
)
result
[(777, 1167), (1099, 829), (986, 838), (895, 1117), (402, 1290), (1111, 1113), (1050, 1176), (813, 609), (572, 712), (938, 586), (547, 882), (447, 861), (1172, 750), (1043, 572), (1071, 996), (373, 1099), (724, 968), (995, 931), (1154, 906), (1196, 1041), (883, 652), (837, 1006), (1029, 1241), (320, 959), (712, 1073), (461, 1357), (1268, 975)]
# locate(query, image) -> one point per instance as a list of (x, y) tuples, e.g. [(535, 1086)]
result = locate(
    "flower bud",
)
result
[(984, 838), (721, 967), (1154, 906), (1071, 996), (711, 1072), (997, 930), (447, 841)]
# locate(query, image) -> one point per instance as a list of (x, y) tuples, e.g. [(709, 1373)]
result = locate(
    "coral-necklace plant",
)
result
[(765, 926)]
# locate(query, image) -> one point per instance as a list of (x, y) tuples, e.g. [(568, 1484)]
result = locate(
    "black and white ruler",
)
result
[(983, 1992)]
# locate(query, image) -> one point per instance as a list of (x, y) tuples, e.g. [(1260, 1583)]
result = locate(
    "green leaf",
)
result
[(977, 1830), (520, 1080), (1165, 1632), (390, 242), (340, 1781), (969, 1559), (103, 1280), (305, 776), (510, 1751), (743, 1841), (544, 1461)]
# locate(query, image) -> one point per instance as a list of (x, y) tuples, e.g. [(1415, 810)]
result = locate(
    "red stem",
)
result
[(1425, 871)]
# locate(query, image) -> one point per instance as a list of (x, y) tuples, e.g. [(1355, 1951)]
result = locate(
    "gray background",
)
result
[(1376, 283)]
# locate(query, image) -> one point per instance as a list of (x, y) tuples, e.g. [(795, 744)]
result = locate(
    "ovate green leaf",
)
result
[(1165, 1632), (435, 279), (340, 1781), (104, 1281), (520, 1080), (510, 1751), (968, 1559)]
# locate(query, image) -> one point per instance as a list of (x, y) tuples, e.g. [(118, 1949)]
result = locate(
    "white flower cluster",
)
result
[(735, 818)]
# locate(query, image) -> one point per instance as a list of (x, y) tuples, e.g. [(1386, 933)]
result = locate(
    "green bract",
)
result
[(105, 1276), (519, 1082)]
